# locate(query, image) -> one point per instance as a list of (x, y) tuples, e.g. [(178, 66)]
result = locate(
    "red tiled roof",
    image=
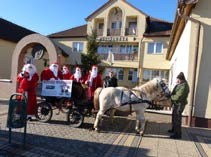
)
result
[(80, 31), (12, 32)]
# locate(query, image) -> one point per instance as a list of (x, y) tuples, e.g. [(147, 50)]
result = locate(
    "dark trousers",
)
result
[(177, 119)]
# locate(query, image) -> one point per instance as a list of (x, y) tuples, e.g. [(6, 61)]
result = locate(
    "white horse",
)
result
[(134, 100)]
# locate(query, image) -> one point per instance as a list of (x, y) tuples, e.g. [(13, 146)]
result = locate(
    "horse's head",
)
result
[(164, 94)]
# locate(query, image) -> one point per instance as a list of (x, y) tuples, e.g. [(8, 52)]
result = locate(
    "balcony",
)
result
[(120, 56), (113, 32), (131, 31)]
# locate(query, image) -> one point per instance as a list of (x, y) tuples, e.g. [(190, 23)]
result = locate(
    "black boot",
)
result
[(176, 136), (171, 131)]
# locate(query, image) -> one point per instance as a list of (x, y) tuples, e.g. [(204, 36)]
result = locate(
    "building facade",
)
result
[(131, 43), (189, 51)]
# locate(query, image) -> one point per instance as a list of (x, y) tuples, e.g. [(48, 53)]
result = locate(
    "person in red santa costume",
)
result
[(77, 76), (94, 80), (65, 73), (27, 80), (52, 73)]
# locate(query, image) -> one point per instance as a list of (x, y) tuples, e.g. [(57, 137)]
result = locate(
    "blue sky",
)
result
[(50, 16)]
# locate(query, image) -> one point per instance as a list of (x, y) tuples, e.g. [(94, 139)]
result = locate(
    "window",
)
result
[(155, 48), (122, 49), (132, 75), (110, 47), (120, 24), (113, 25), (132, 24), (129, 49), (78, 47), (101, 49), (150, 74), (101, 25), (135, 48), (120, 74)]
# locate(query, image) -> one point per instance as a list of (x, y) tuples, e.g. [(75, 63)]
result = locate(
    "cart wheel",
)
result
[(65, 105), (74, 118), (44, 112)]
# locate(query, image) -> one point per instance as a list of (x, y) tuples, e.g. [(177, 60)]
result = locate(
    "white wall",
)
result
[(180, 59)]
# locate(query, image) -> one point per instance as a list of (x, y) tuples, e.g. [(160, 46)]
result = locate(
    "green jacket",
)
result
[(180, 94)]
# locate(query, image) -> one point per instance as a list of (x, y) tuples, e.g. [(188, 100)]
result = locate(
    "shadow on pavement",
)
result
[(52, 146)]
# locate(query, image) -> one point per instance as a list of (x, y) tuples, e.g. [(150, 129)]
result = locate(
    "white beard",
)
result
[(64, 71), (92, 76), (54, 70), (77, 75)]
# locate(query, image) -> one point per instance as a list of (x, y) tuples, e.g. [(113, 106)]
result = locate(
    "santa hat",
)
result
[(94, 66), (78, 67), (64, 66), (111, 71)]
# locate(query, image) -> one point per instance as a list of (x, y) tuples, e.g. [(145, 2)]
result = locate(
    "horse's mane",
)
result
[(149, 87)]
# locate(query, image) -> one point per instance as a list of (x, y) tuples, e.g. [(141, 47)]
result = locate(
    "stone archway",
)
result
[(23, 44)]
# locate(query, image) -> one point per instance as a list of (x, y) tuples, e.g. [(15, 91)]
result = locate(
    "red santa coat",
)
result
[(96, 82), (47, 74), (66, 76), (29, 87)]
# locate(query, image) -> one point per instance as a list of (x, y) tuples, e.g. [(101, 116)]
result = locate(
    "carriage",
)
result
[(76, 106), (67, 97)]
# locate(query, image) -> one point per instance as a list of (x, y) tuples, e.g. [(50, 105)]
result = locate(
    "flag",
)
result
[(134, 31), (110, 57)]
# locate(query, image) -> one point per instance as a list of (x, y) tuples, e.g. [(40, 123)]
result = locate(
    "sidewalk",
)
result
[(57, 139)]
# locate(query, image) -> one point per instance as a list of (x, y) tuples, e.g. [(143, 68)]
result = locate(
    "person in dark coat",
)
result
[(110, 81), (179, 100)]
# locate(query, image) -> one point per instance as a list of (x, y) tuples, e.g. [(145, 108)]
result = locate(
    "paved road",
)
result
[(115, 140)]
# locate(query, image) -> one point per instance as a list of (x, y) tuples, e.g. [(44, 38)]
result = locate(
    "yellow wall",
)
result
[(203, 77), (6, 52), (127, 11), (155, 61)]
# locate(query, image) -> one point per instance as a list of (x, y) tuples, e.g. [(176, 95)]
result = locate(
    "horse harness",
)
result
[(130, 101)]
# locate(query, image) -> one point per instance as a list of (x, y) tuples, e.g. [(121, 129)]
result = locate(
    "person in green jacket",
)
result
[(179, 97)]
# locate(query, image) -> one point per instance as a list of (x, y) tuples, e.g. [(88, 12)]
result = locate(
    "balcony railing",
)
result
[(131, 31), (120, 56), (113, 32)]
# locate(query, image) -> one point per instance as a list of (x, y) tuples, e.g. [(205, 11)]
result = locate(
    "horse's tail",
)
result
[(96, 98)]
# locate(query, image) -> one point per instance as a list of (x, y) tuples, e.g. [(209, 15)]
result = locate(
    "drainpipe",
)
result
[(139, 61), (192, 100)]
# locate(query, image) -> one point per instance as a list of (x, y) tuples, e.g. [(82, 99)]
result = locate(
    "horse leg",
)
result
[(112, 115), (98, 119), (140, 122)]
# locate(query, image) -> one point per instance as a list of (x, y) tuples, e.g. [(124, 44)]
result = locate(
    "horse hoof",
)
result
[(138, 133), (97, 130)]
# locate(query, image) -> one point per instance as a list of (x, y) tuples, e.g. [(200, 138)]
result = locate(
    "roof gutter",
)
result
[(195, 64)]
